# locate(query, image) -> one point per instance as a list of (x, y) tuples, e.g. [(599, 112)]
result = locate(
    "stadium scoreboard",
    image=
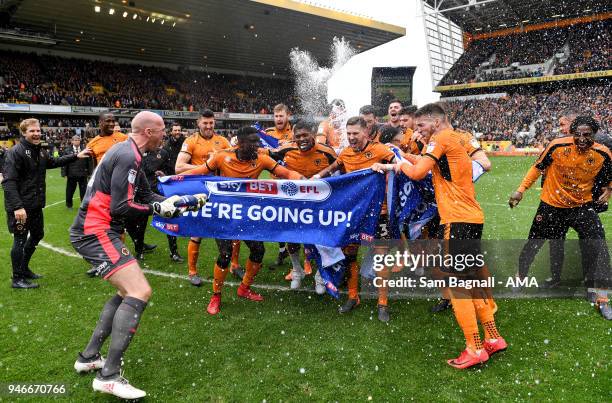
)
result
[(391, 83)]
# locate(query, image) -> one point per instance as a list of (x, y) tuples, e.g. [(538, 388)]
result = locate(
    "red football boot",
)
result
[(214, 306), (245, 292), (468, 359), (496, 346)]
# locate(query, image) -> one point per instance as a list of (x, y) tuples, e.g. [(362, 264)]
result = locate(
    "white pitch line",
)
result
[(59, 250), (54, 204), (577, 294), (64, 252)]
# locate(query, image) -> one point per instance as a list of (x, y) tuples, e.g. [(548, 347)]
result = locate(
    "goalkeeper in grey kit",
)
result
[(97, 235)]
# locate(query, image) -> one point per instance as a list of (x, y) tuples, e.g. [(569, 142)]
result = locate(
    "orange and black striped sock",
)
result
[(466, 318), (219, 276), (193, 252), (252, 269)]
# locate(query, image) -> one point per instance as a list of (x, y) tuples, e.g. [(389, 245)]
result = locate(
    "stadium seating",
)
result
[(578, 48), (61, 81), (505, 118)]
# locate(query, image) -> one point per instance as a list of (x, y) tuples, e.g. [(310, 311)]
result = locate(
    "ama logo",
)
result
[(311, 190)]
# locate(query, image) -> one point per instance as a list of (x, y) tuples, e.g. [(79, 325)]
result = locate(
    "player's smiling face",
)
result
[(206, 126), (583, 137), (33, 134), (107, 124), (427, 126), (304, 139), (357, 137)]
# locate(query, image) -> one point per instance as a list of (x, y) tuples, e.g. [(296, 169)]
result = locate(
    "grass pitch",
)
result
[(295, 346)]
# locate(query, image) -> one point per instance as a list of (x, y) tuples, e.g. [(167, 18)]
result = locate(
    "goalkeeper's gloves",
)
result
[(192, 202), (167, 208)]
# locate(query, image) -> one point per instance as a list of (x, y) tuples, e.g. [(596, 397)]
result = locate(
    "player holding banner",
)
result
[(461, 223), (362, 153), (196, 149), (244, 161), (306, 157), (96, 235)]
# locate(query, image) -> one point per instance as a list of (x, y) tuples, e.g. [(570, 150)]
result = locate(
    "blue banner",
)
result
[(265, 140), (336, 211), (411, 203)]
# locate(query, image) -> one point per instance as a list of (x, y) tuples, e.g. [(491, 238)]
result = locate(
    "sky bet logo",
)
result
[(310, 190)]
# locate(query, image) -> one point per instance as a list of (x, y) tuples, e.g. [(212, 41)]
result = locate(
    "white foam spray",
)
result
[(311, 78), (311, 81)]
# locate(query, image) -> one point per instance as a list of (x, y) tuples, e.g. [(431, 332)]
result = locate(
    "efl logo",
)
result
[(311, 190)]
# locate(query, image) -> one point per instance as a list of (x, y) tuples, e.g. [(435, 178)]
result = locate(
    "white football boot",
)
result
[(118, 386), (94, 364)]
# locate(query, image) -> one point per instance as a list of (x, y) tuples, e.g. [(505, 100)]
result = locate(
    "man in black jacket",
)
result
[(76, 172), (24, 197), (173, 145)]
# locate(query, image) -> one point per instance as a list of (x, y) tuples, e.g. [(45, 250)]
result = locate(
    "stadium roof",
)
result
[(477, 16), (241, 35)]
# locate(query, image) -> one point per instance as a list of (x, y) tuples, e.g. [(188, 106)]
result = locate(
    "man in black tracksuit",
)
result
[(24, 197), (76, 172), (173, 146)]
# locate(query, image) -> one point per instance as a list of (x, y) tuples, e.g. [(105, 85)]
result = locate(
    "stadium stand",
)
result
[(527, 112), (576, 48), (55, 80), (507, 117)]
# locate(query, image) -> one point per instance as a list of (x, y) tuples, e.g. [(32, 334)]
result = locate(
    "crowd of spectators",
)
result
[(511, 73), (530, 119), (62, 81), (589, 45), (590, 49)]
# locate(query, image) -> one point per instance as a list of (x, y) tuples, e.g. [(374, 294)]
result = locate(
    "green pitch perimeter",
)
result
[(294, 346)]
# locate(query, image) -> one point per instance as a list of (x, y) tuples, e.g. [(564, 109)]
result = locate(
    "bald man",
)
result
[(96, 235)]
